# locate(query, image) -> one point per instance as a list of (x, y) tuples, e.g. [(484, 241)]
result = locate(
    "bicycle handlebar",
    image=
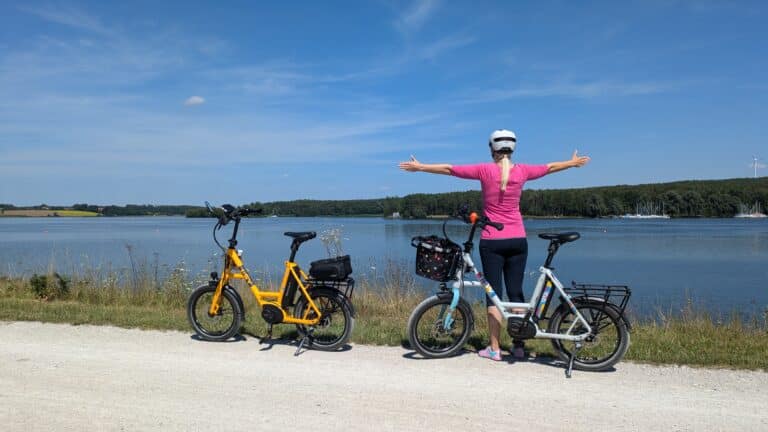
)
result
[(473, 218), (229, 212)]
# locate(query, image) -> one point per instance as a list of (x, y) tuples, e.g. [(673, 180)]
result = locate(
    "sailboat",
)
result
[(646, 211), (752, 212)]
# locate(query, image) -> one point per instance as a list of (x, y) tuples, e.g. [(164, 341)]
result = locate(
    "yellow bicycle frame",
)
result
[(233, 269)]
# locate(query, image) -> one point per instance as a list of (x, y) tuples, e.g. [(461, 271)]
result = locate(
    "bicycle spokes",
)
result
[(603, 340), (440, 327)]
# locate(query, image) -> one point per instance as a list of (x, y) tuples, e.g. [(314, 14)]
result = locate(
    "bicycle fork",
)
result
[(448, 320)]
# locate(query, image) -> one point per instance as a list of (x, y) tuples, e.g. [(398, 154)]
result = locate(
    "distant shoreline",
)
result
[(682, 199)]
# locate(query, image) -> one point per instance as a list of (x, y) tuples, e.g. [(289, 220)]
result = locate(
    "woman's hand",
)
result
[(412, 165), (579, 161), (575, 162)]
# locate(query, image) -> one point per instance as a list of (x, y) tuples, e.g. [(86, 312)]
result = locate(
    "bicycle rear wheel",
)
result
[(219, 327), (606, 346), (336, 320), (427, 332)]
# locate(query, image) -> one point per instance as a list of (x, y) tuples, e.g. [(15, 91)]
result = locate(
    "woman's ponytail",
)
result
[(504, 171)]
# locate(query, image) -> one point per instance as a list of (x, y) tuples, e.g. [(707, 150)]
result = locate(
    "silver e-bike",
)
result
[(588, 327)]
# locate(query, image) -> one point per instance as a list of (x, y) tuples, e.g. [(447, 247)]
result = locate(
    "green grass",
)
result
[(76, 213), (383, 307)]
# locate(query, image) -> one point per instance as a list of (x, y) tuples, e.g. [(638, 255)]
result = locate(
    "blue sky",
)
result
[(239, 101)]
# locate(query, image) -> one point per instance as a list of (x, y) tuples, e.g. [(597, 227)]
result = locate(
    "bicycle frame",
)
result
[(234, 269), (535, 307)]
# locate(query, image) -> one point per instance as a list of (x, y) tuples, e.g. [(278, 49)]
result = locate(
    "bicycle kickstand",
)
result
[(307, 336), (268, 337), (570, 361)]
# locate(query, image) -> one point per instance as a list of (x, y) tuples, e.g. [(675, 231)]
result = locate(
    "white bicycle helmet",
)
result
[(502, 139)]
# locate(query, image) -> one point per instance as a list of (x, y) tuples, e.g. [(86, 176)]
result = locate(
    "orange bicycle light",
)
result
[(473, 217)]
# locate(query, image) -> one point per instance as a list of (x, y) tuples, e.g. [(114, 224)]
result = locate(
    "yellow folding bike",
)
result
[(319, 304)]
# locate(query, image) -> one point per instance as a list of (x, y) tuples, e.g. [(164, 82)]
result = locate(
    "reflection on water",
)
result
[(720, 263)]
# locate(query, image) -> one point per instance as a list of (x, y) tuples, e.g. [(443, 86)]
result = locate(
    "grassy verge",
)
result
[(383, 307)]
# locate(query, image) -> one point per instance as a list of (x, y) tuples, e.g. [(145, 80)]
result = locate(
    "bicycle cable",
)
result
[(215, 240)]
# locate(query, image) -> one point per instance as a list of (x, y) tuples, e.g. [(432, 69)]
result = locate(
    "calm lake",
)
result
[(721, 264)]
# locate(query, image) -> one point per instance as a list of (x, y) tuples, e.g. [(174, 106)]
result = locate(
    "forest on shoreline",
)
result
[(693, 198)]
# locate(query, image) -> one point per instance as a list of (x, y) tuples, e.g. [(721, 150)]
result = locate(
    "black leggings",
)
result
[(505, 257)]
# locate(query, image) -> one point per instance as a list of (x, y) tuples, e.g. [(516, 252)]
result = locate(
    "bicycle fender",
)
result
[(338, 294), (239, 299), (577, 300)]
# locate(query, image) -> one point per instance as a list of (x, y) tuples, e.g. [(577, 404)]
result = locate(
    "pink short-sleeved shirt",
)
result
[(501, 206)]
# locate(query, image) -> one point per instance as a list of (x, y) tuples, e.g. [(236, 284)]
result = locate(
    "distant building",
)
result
[(396, 215)]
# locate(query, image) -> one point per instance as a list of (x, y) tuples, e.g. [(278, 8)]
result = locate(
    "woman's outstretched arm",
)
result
[(575, 162), (413, 165)]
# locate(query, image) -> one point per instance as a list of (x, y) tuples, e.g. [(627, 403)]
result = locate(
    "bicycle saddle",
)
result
[(561, 237), (301, 236)]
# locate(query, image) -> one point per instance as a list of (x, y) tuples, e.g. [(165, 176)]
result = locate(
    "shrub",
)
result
[(49, 287)]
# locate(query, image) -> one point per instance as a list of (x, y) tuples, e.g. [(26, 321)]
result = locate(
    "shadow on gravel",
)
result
[(510, 359), (236, 338), (549, 361), (287, 338), (413, 355)]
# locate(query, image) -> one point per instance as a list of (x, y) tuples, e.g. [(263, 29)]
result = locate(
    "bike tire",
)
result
[(224, 325), (609, 344), (426, 332), (336, 323)]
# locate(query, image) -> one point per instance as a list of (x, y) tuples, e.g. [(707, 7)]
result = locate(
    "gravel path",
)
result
[(84, 378)]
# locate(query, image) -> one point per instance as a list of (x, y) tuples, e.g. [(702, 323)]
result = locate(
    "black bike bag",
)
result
[(336, 269)]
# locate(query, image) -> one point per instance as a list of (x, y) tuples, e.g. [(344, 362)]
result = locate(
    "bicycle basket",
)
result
[(336, 269), (436, 258)]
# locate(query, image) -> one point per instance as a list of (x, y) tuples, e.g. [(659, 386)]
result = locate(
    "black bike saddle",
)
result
[(561, 237), (301, 236)]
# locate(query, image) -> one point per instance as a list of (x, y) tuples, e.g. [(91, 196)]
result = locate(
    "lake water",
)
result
[(721, 264)]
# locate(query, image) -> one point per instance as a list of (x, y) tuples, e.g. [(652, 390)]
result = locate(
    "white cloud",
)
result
[(194, 100), (414, 18), (70, 18), (433, 50), (581, 90)]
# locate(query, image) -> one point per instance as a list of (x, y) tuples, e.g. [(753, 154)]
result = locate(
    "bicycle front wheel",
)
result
[(220, 326), (427, 331), (336, 320), (604, 348)]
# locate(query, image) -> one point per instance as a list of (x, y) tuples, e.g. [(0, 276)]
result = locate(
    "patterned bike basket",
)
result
[(436, 258)]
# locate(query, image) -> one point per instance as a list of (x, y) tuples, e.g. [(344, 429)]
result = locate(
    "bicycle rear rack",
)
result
[(617, 295), (347, 286)]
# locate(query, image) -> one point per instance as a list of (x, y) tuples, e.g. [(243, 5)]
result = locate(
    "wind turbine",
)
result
[(754, 164)]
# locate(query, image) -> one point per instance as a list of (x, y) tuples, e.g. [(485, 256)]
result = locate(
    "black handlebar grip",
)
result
[(497, 225)]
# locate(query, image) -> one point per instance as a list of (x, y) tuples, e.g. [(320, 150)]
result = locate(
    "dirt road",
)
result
[(83, 378)]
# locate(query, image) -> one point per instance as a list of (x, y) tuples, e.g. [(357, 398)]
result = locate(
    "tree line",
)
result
[(113, 210), (697, 198)]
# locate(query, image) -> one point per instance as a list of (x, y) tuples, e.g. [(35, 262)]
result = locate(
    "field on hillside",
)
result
[(47, 213)]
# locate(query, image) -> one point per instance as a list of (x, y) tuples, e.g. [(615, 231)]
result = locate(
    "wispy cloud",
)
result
[(571, 90), (194, 100), (412, 19), (432, 50), (69, 17)]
